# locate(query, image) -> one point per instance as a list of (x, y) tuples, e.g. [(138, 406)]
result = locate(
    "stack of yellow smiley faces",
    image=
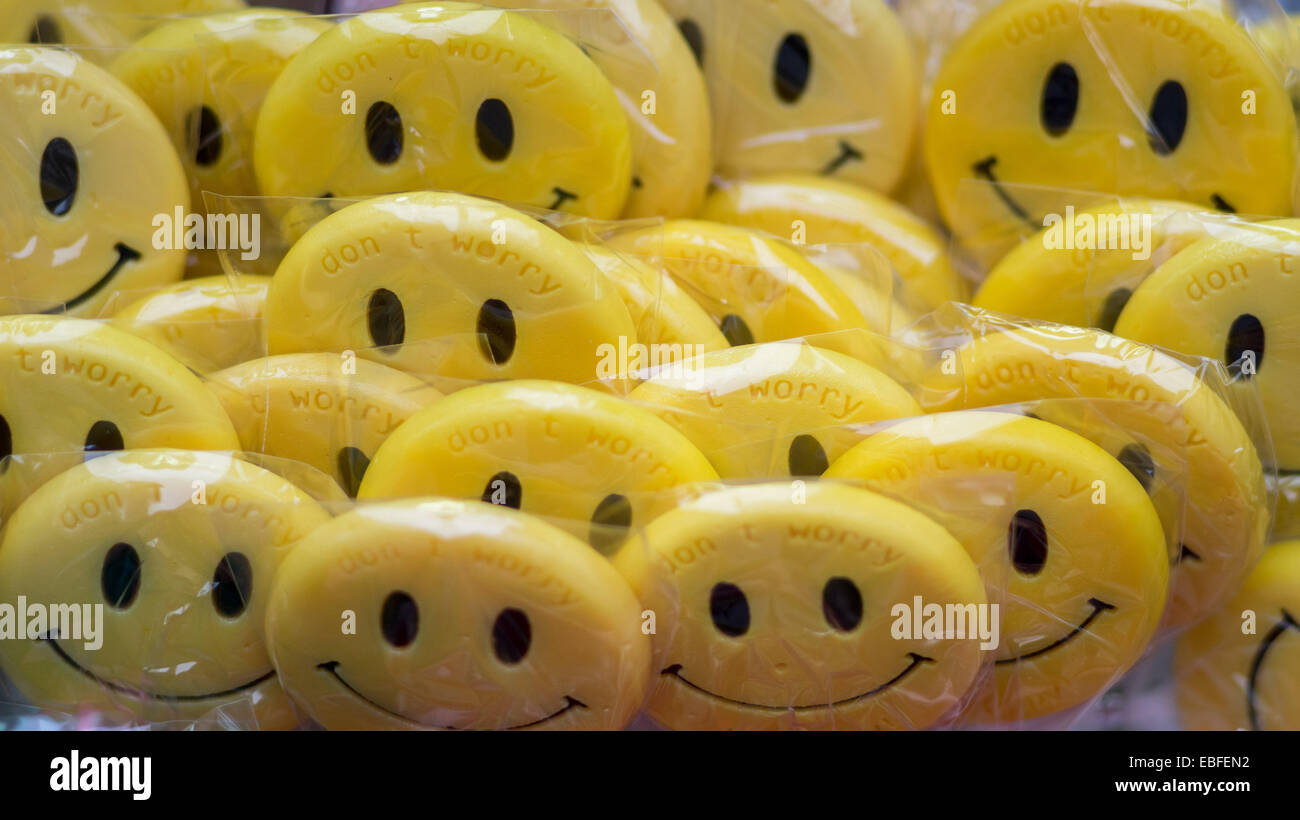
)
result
[(576, 365)]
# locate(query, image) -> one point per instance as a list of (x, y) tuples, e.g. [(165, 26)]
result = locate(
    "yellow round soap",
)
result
[(87, 167), (1241, 668), (438, 614), (153, 569), (777, 611), (330, 411), (451, 96), (1065, 538)]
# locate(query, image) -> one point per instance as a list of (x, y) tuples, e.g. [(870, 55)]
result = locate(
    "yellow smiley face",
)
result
[(180, 578), (104, 25), (462, 616), (1233, 297), (88, 168), (777, 613), (1155, 98), (447, 286), (593, 462), (1241, 668), (1081, 584), (71, 387), (449, 96), (779, 84)]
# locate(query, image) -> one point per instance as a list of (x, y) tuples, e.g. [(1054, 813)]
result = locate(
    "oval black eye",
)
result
[(6, 443), (45, 31), (511, 636), (104, 437), (1245, 344), (352, 464), (1060, 99), (730, 610), (504, 490), (495, 130), (232, 584), (806, 456), (842, 604), (1027, 538), (1136, 458), (59, 176), (792, 68), (384, 133), (736, 331), (386, 318), (610, 522), (1168, 118), (400, 619), (203, 131), (119, 579), (694, 38), (1112, 308), (496, 331)]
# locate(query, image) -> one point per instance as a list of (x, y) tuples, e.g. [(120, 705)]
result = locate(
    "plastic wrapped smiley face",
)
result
[(169, 557), (448, 286), (1133, 97), (101, 24), (1241, 668), (70, 388), (87, 168), (777, 613), (463, 616), (598, 465), (786, 82), (449, 96), (1081, 584)]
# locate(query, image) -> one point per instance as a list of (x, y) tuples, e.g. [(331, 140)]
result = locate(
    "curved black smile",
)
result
[(332, 668), (848, 152), (125, 254), (140, 693), (1098, 606), (1276, 632), (561, 196), (984, 170), (676, 669)]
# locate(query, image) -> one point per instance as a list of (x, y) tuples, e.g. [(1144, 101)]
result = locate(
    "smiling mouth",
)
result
[(984, 170), (1098, 606), (848, 152), (1276, 632), (125, 254), (561, 196), (140, 693), (332, 668), (916, 660)]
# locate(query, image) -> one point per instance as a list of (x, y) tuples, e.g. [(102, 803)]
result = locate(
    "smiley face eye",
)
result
[(1027, 539), (352, 464), (494, 129), (1060, 99), (1245, 342), (842, 604), (119, 579), (496, 331), (792, 68), (384, 133), (610, 522), (1112, 308), (1137, 460), (203, 130), (386, 318), (806, 456), (45, 31), (736, 332), (59, 176), (512, 634), (103, 437), (400, 619), (504, 490), (6, 443), (1168, 118), (729, 609), (232, 584), (694, 38)]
